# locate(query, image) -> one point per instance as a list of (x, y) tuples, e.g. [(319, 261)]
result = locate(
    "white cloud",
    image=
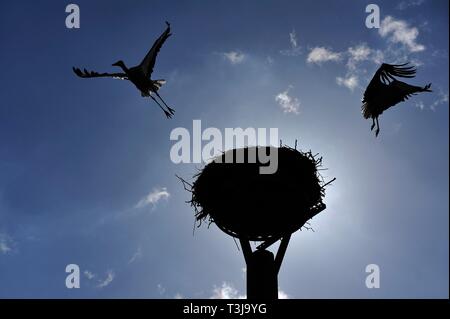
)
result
[(442, 99), (293, 39), (101, 283), (178, 296), (137, 255), (234, 57), (354, 55), (6, 244), (227, 291), (153, 197), (321, 54), (358, 54), (405, 4), (441, 54), (401, 43), (4, 248), (399, 31), (161, 289), (378, 56), (295, 48), (282, 295), (89, 275), (358, 58), (109, 278), (288, 103), (351, 82), (420, 105)]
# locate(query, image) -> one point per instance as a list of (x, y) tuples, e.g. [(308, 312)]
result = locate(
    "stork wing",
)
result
[(385, 74), (400, 91), (92, 74), (148, 62)]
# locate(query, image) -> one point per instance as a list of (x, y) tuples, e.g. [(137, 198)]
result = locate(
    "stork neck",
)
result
[(124, 68)]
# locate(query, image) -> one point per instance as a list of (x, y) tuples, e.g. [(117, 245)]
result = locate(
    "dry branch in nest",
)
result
[(247, 204)]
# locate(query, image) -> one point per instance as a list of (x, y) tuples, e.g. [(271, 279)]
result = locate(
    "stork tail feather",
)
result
[(160, 83), (366, 111)]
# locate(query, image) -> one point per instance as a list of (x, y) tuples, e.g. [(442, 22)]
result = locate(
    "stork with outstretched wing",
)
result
[(139, 75), (385, 91)]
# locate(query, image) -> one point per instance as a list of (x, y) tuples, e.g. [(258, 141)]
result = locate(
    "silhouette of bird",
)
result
[(139, 75), (385, 91)]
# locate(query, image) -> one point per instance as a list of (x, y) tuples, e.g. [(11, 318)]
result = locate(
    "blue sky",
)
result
[(77, 156)]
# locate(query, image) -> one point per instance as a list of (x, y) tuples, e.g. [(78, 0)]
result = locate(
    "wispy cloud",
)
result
[(288, 103), (401, 44), (319, 55), (100, 283), (282, 295), (358, 54), (399, 31), (89, 275), (137, 255), (234, 57), (6, 244), (110, 275), (442, 99), (354, 56), (161, 289), (351, 82), (295, 48), (227, 291), (378, 56), (4, 248), (358, 58), (153, 197), (178, 296), (293, 39), (420, 105), (405, 4)]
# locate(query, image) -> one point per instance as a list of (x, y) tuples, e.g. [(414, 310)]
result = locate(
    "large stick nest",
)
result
[(247, 204)]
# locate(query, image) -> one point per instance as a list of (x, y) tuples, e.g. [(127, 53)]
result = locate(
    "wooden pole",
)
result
[(262, 279), (262, 270)]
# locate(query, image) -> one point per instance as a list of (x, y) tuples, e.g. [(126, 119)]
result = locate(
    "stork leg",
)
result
[(373, 124), (378, 128), (171, 110), (168, 115)]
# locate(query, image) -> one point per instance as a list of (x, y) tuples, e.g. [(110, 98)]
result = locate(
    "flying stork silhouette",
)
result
[(139, 75), (385, 91)]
